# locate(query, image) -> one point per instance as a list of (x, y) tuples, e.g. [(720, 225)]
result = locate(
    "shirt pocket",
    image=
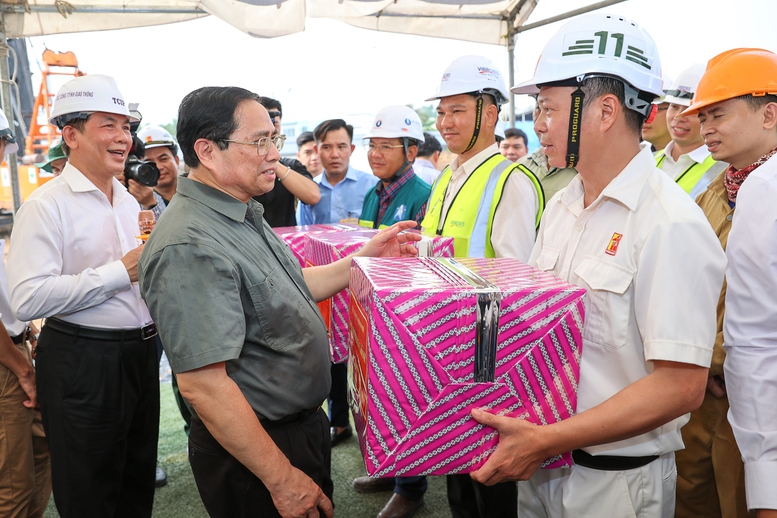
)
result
[(282, 311), (547, 259), (609, 301)]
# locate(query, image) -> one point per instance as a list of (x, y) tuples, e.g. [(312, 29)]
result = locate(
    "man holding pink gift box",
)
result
[(242, 331), (625, 231)]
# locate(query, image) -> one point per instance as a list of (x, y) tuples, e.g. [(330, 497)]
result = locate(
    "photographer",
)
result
[(140, 177)]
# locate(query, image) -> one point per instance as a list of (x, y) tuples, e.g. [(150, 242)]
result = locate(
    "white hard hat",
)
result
[(682, 89), (397, 122), (599, 44), (84, 95), (156, 136), (7, 134), (499, 130), (472, 74)]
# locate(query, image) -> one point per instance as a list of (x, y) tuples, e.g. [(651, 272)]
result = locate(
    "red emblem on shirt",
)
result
[(614, 242)]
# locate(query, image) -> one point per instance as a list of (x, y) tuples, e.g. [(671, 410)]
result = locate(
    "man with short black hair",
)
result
[(307, 154), (246, 340), (515, 144), (342, 187), (426, 164), (292, 182)]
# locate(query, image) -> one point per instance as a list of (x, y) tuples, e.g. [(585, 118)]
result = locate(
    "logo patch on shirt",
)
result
[(612, 247)]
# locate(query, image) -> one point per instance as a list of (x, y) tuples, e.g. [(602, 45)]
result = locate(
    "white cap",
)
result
[(682, 89), (397, 122), (7, 134), (599, 44), (156, 136), (472, 74), (84, 95)]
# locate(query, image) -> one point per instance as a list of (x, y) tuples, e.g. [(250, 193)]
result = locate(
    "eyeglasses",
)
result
[(383, 148), (274, 115), (263, 144)]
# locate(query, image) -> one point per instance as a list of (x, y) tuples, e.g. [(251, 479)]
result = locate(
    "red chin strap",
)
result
[(653, 112)]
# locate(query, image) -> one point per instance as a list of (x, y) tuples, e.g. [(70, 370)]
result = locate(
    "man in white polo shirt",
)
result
[(625, 231)]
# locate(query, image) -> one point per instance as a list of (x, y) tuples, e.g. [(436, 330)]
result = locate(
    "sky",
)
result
[(333, 70)]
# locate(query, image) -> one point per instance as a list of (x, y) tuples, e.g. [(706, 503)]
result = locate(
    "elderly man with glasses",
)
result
[(242, 329)]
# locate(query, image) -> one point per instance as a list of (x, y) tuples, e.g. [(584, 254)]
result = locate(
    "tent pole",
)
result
[(13, 163), (511, 74)]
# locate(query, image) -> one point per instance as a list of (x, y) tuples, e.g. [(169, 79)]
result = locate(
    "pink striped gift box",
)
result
[(327, 247), (433, 338), (296, 237)]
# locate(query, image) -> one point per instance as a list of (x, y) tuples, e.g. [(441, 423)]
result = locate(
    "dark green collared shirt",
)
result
[(221, 286)]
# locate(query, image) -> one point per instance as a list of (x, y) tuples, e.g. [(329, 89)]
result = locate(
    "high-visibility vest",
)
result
[(405, 204), (470, 217), (691, 176)]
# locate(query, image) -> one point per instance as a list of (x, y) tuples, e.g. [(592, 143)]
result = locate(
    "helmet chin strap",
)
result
[(405, 165), (478, 122), (575, 117)]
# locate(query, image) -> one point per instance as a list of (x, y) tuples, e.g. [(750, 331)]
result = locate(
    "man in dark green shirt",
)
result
[(240, 323)]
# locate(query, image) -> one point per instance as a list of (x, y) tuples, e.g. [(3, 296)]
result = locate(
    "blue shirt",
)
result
[(340, 201)]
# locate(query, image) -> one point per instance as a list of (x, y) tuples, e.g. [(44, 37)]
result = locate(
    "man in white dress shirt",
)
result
[(98, 381), (736, 102), (652, 268)]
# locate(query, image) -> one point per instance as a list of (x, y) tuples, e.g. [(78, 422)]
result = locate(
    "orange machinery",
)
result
[(41, 133)]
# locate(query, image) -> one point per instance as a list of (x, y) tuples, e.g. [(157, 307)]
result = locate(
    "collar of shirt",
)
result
[(698, 155), (387, 193), (468, 167), (78, 182), (624, 188), (220, 202), (350, 175), (422, 162)]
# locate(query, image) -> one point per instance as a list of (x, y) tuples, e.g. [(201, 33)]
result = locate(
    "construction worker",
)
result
[(477, 200), (392, 146), (552, 179), (393, 141), (710, 471), (686, 159), (624, 231), (55, 161), (487, 206), (98, 378), (736, 102), (655, 131)]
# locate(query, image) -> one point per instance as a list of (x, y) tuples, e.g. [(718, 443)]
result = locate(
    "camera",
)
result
[(135, 168)]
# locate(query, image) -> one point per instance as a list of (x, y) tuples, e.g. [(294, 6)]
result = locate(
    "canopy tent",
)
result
[(484, 21)]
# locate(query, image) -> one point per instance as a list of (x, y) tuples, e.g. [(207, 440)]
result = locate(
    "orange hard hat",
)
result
[(734, 73)]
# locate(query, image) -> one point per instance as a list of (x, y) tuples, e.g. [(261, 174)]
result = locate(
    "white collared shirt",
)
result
[(13, 325), (425, 170), (688, 160), (514, 227), (65, 255), (750, 332), (653, 270)]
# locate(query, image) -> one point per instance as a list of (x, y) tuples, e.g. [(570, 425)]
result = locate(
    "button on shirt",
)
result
[(653, 270), (688, 160), (514, 226), (340, 201), (65, 259), (750, 332), (252, 308)]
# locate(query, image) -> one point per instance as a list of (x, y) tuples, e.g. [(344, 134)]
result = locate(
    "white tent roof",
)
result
[(483, 21)]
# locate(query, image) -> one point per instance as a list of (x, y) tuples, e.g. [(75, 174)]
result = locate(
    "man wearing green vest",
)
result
[(482, 200), (392, 145), (686, 159), (489, 207)]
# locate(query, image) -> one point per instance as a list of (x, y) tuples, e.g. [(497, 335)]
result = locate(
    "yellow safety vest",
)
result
[(691, 176), (470, 217)]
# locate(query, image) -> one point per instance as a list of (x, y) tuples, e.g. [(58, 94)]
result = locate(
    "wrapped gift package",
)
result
[(327, 247), (296, 237), (431, 339)]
